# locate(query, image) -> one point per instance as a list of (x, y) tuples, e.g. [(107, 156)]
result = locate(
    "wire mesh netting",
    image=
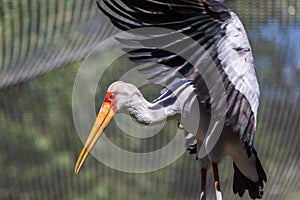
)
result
[(38, 36), (42, 46)]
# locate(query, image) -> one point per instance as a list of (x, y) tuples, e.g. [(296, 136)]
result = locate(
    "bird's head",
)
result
[(122, 94), (116, 99)]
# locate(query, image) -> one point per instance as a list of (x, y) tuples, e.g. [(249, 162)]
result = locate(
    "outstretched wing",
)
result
[(217, 29)]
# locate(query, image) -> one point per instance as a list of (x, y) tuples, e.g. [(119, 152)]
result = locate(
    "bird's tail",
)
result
[(242, 183)]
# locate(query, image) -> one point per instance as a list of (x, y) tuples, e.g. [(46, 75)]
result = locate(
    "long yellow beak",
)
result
[(105, 115)]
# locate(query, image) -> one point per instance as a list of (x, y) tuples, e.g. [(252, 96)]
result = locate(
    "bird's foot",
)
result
[(218, 195), (202, 196)]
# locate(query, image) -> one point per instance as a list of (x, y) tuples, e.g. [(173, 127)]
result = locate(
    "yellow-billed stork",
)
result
[(220, 32)]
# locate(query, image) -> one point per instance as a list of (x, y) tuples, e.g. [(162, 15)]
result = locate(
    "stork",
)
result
[(220, 32)]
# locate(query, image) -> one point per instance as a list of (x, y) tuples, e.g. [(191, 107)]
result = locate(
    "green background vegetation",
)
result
[(38, 140)]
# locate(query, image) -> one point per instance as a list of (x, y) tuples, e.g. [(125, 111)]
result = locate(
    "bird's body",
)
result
[(151, 113), (190, 99)]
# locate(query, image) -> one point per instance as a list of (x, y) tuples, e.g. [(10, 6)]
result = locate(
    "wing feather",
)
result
[(216, 28)]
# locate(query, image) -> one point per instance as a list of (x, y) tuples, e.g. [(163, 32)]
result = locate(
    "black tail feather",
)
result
[(242, 183)]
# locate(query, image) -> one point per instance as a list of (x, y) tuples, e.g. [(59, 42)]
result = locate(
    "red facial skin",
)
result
[(111, 98)]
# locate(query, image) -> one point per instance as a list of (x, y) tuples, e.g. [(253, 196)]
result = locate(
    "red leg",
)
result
[(217, 181), (203, 184)]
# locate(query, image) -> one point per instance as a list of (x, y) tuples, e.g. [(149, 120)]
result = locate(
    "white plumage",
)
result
[(221, 34)]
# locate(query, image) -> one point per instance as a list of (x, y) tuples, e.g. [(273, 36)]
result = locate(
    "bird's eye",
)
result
[(112, 97)]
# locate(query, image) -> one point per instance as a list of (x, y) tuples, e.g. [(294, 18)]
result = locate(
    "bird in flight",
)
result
[(213, 64)]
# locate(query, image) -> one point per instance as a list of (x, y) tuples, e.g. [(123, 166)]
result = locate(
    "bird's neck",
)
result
[(146, 112)]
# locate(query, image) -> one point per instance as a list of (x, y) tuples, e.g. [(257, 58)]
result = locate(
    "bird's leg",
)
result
[(217, 181), (203, 184)]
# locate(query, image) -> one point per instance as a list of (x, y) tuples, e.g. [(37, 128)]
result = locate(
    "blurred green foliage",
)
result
[(39, 143)]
